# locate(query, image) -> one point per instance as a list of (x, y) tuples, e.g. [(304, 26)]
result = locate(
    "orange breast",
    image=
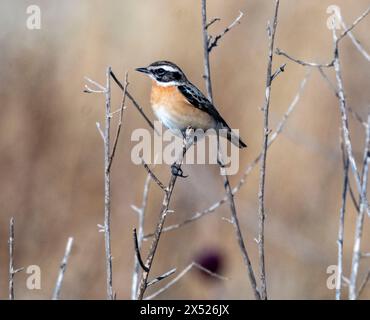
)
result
[(175, 112)]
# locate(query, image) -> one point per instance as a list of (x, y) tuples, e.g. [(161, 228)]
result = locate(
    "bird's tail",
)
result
[(233, 138)]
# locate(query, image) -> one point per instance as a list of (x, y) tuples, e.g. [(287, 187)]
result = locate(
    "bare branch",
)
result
[(212, 22), (338, 291), (215, 41), (180, 276), (98, 126), (278, 71), (207, 69), (266, 132), (154, 177), (107, 195), (138, 255), (141, 215), (158, 231), (62, 269), (304, 63), (162, 277), (136, 105), (363, 284), (354, 24), (356, 42), (119, 124), (100, 89), (353, 294)]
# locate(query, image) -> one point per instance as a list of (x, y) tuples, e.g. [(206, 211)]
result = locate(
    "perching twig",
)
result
[(158, 231), (181, 275), (62, 269), (266, 132)]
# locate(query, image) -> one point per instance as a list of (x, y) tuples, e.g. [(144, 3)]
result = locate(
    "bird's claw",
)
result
[(177, 171)]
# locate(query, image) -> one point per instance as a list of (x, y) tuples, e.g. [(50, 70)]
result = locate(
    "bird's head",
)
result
[(165, 73)]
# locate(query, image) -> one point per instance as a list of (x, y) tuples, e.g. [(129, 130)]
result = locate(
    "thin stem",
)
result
[(107, 195), (266, 132), (207, 70), (11, 259), (356, 257), (62, 269)]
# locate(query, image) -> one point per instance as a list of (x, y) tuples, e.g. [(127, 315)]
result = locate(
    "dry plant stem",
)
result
[(153, 176), (363, 284), (207, 70), (344, 116), (355, 42), (115, 143), (107, 203), (158, 231), (214, 43), (141, 216), (338, 291), (249, 167), (353, 294), (62, 269), (181, 275), (161, 277), (137, 250), (228, 190), (266, 132), (11, 259)]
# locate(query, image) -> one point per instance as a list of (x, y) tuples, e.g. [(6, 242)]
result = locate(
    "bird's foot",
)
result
[(177, 171)]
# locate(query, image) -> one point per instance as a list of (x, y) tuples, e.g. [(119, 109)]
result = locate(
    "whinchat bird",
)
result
[(179, 105)]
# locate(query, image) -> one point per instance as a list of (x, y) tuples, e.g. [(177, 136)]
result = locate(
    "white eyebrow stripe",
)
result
[(167, 68)]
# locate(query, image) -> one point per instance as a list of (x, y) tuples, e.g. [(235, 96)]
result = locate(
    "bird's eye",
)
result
[(160, 71)]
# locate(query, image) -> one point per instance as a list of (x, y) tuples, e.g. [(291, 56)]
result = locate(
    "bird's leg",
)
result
[(176, 167), (177, 171)]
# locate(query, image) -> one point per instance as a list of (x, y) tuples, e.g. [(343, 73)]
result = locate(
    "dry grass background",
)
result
[(51, 154)]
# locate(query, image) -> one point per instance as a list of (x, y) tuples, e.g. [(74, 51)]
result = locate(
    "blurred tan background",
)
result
[(52, 158)]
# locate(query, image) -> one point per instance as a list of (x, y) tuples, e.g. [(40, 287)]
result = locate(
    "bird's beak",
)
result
[(143, 70)]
